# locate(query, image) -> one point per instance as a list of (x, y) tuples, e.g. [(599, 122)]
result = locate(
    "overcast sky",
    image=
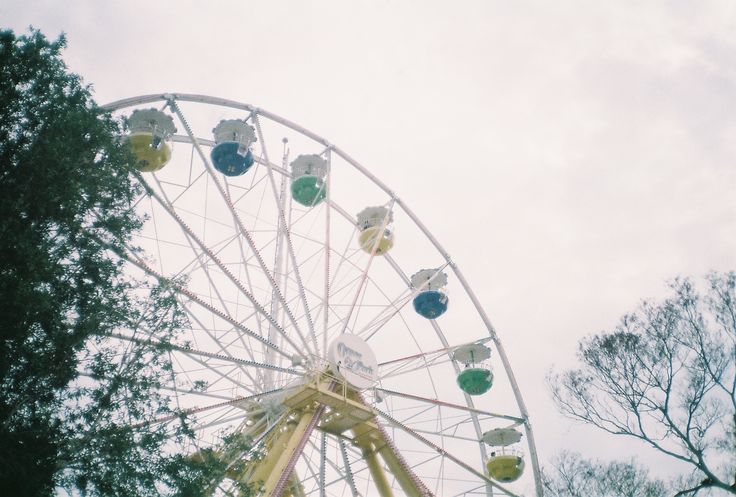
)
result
[(571, 156)]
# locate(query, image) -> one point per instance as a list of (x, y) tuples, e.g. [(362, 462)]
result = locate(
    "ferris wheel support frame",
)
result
[(171, 98)]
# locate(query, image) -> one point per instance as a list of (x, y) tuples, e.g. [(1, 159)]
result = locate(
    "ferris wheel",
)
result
[(332, 346)]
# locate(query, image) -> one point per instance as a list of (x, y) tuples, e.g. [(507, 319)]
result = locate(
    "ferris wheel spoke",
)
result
[(347, 285), (194, 352), (307, 259), (184, 188), (219, 417), (384, 316), (167, 205), (239, 224), (445, 435), (198, 393), (177, 390), (470, 492), (287, 230), (322, 465), (157, 240), (313, 478), (196, 410), (444, 452), (326, 306), (431, 357), (213, 339), (222, 375), (364, 276), (343, 257), (258, 320), (212, 257), (331, 463), (135, 259), (245, 268), (328, 248), (348, 471), (225, 351), (258, 440), (399, 302), (468, 399), (391, 303), (346, 256), (194, 298)]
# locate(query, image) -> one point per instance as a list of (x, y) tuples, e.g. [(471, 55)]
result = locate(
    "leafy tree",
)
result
[(202, 473), (78, 408), (667, 376), (573, 476)]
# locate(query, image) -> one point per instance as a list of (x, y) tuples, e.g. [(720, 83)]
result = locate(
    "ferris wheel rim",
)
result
[(204, 99)]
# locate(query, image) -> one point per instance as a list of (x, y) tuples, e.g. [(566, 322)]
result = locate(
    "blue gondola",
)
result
[(228, 161), (431, 301), (430, 304), (231, 154)]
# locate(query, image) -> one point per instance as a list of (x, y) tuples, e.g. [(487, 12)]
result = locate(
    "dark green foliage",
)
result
[(113, 444), (60, 165), (572, 476), (666, 376), (76, 406), (200, 475)]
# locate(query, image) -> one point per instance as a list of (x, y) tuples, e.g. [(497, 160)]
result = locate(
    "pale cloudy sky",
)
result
[(571, 156)]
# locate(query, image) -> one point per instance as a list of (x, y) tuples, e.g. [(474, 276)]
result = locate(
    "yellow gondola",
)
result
[(375, 233), (150, 138)]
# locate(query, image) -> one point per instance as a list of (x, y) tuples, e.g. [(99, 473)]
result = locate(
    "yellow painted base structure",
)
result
[(344, 414), (149, 158), (369, 236), (505, 468), (377, 473), (278, 449), (257, 473), (372, 442)]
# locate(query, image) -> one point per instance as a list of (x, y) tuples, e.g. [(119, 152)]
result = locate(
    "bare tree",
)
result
[(570, 475), (667, 376)]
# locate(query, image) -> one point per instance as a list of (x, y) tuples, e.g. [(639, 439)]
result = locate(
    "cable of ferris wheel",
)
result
[(198, 409), (287, 231), (173, 105), (140, 264), (190, 233), (189, 350), (443, 452), (364, 275), (450, 405)]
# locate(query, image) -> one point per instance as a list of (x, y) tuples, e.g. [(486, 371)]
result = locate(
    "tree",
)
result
[(204, 471), (667, 376), (77, 408), (573, 476)]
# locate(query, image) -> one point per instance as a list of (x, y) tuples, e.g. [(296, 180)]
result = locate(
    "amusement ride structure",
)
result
[(323, 353)]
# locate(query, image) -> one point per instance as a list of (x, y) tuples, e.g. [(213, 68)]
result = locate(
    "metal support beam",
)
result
[(279, 449), (378, 474)]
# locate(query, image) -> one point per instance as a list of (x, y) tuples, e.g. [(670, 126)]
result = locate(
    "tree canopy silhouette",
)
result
[(78, 410), (666, 376)]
